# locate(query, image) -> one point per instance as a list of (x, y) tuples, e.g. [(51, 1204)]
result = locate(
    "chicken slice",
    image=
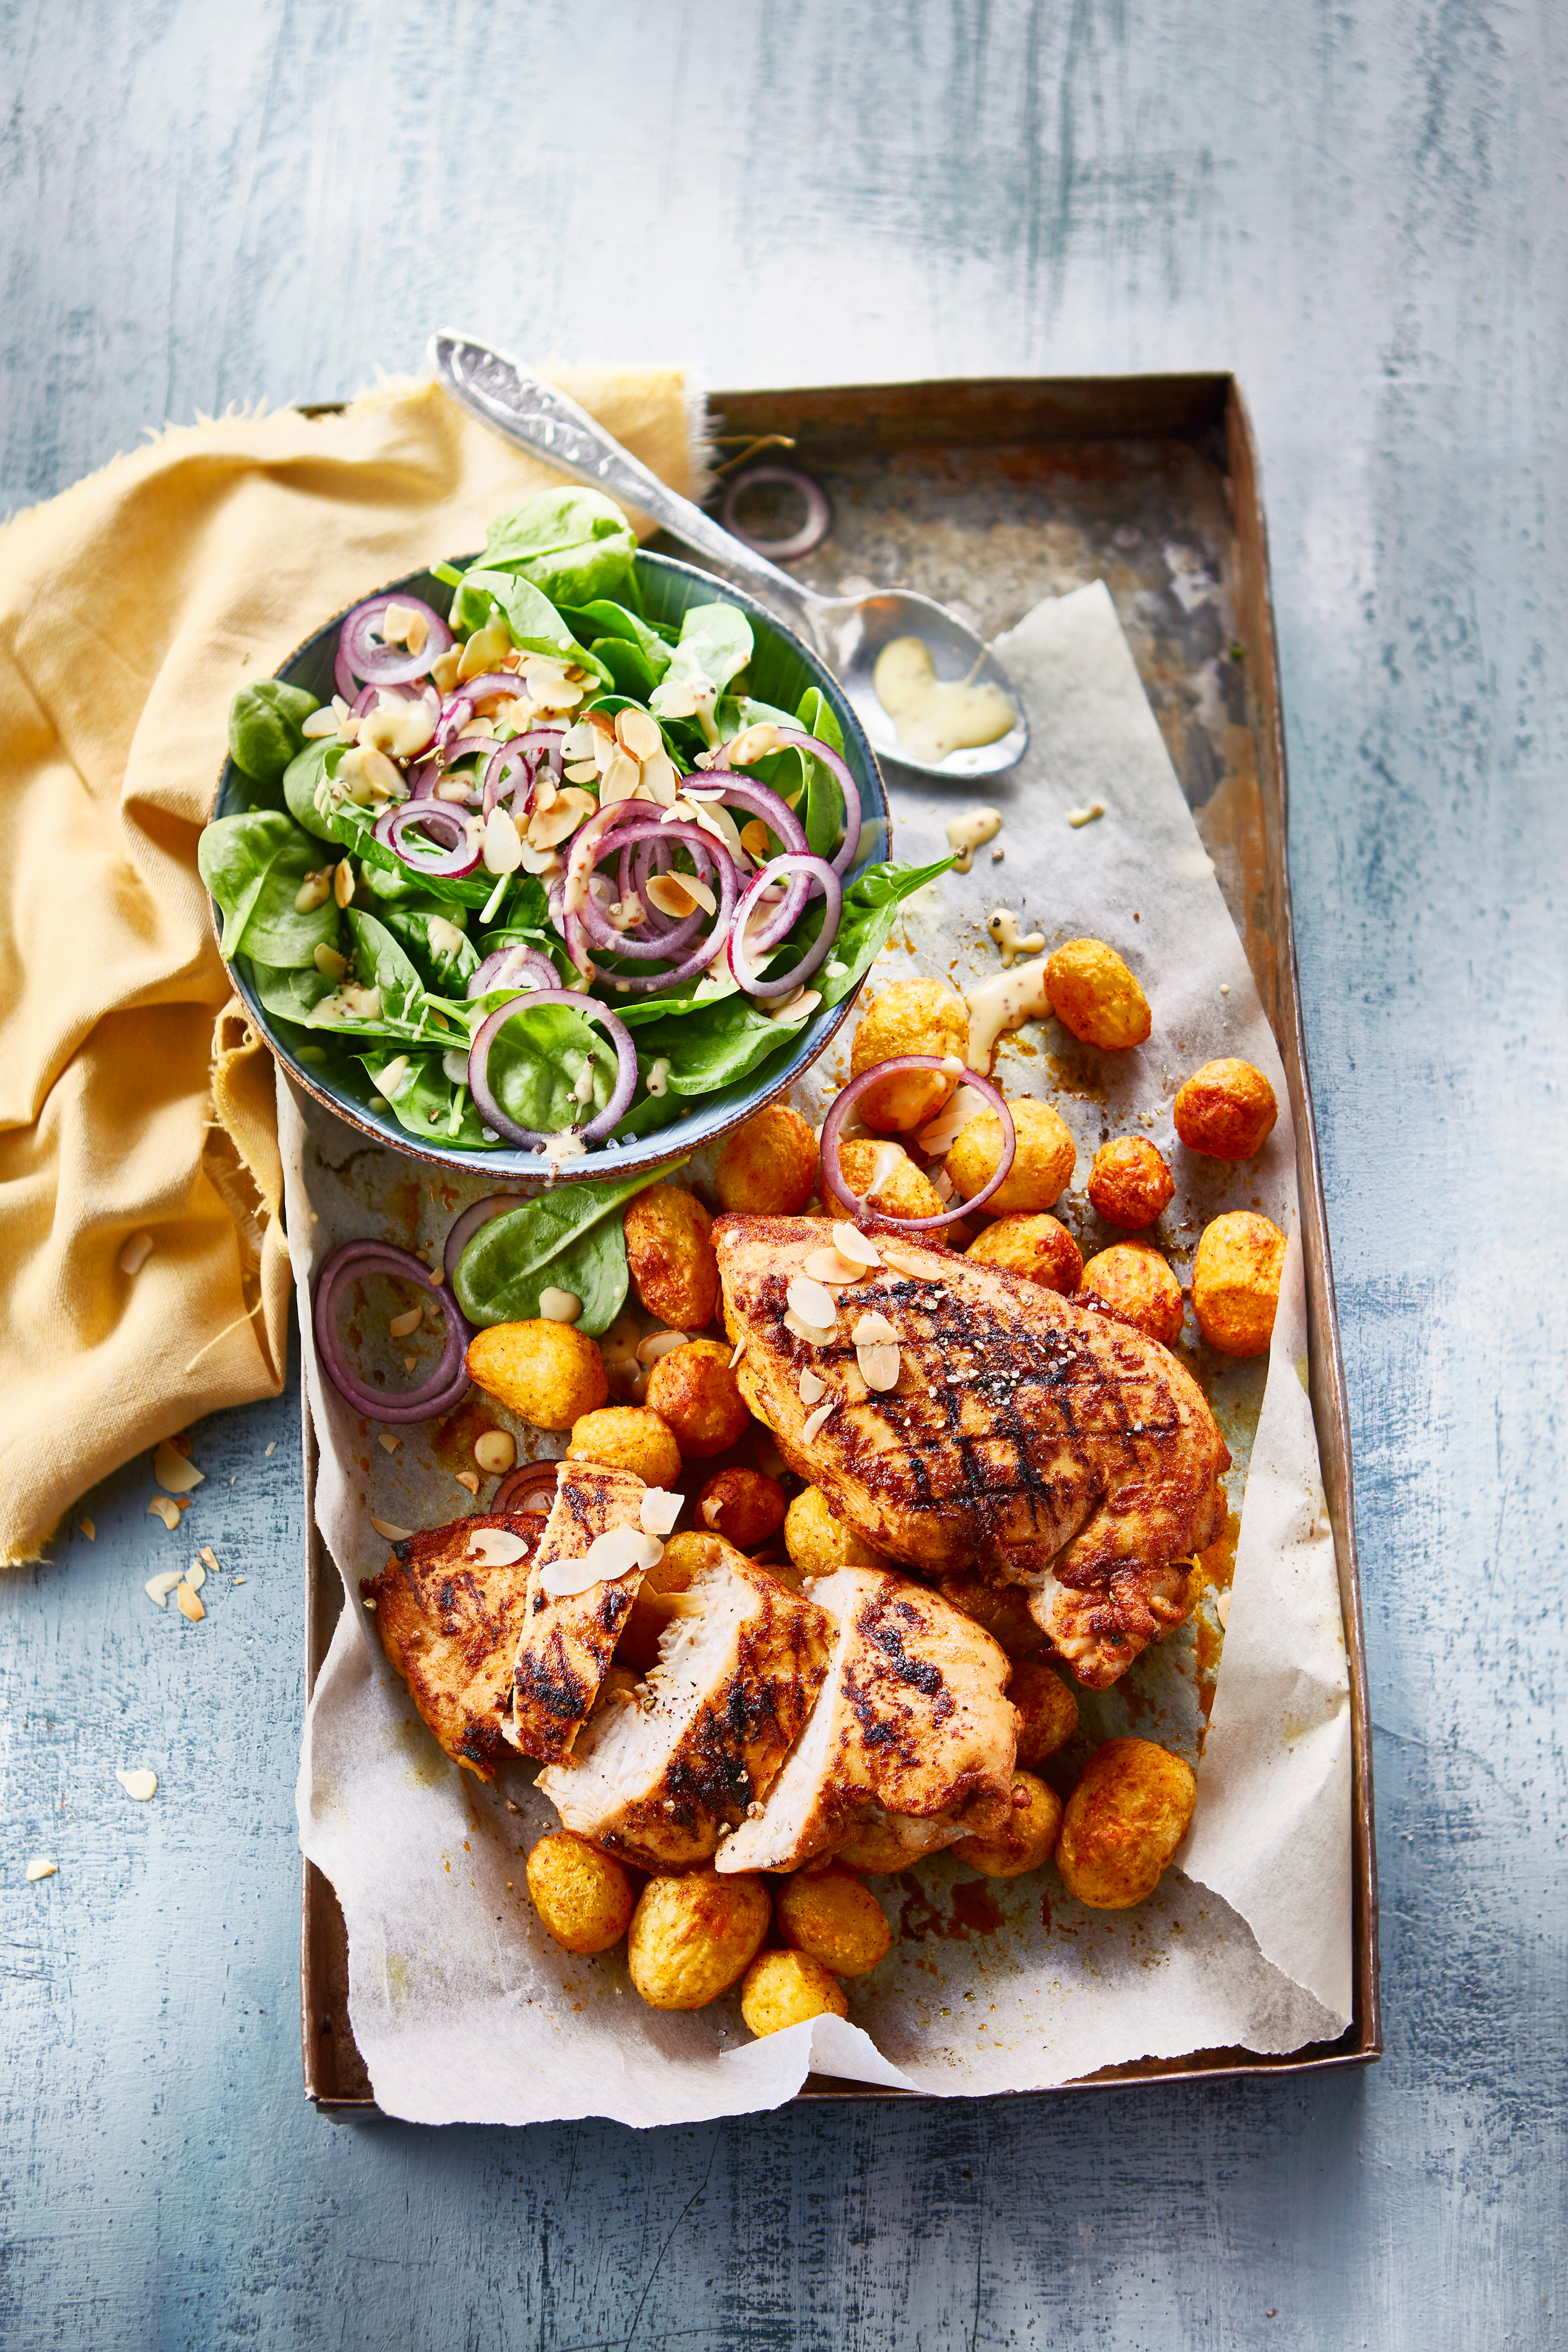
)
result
[(449, 1624), (912, 1719), (1028, 1439), (739, 1668), (565, 1644)]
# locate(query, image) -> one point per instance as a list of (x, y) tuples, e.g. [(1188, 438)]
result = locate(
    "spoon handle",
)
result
[(538, 416)]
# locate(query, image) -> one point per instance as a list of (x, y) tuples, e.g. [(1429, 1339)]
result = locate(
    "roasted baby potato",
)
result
[(1001, 1609), (1024, 1839), (885, 1177), (1133, 1281), (628, 1437), (670, 1257), (743, 1506), (1124, 1821), (546, 1373), (786, 1989), (875, 1848), (818, 1542), (1091, 992), (1042, 1161), (769, 1166), (691, 1937), (694, 1391), (1037, 1246), (1129, 1184), (583, 1897), (1048, 1712), (912, 1016), (1226, 1109), (1235, 1282), (830, 1916)]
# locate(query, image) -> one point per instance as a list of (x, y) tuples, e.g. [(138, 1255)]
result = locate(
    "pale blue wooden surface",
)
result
[(1359, 207)]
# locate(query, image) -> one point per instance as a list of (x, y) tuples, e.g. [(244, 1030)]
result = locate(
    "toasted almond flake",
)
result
[(320, 722), (578, 741), (659, 1508), (621, 778), (1222, 1609), (875, 1330), (942, 1133), (42, 1867), (138, 1784), (739, 1352), (754, 841), (135, 1254), (328, 961), (388, 1443), (851, 1243), (195, 1576), (661, 779), (392, 1533), (551, 823), (677, 701), (241, 1580), (560, 1306), (813, 1304), (879, 1366), (401, 1325), (88, 1529), (495, 1452), (469, 1478), (896, 1256), (271, 1448), (831, 1265), (616, 1553), (657, 1344), (813, 1388), (752, 743), (813, 1334), (495, 1547), (175, 1470), (211, 1558), (161, 1508), (679, 894), (815, 1421), (158, 1587), (582, 772), (942, 1185), (369, 1603), (503, 847), (638, 734), (190, 1606), (1076, 818)]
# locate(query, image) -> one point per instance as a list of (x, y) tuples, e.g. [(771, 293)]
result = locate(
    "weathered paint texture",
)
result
[(1362, 209)]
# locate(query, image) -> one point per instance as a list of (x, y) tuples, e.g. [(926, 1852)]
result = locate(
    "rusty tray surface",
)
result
[(988, 495)]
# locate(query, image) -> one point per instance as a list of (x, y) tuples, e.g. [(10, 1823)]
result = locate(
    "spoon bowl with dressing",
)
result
[(926, 687)]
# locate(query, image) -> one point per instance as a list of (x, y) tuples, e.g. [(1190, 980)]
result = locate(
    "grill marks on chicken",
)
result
[(739, 1669), (565, 1644), (912, 1722), (1028, 1438), (450, 1628)]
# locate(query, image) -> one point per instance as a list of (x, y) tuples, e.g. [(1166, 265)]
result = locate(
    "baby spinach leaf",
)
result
[(593, 622), (824, 814), (291, 995), (568, 1239), (253, 865), (572, 544), (715, 644), (379, 963), (532, 621), (353, 827), (426, 1100), (871, 910), (537, 1061), (265, 722), (432, 935), (624, 662)]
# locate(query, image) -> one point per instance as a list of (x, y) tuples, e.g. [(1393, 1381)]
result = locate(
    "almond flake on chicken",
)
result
[(566, 1643)]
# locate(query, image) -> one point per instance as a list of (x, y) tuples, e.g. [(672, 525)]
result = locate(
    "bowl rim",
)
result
[(643, 1152)]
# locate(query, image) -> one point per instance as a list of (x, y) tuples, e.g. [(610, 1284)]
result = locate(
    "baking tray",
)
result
[(988, 495)]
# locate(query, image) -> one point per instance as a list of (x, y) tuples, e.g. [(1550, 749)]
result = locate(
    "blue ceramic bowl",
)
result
[(780, 670)]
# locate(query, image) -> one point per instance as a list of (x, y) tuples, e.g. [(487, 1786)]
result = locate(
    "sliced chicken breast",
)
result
[(565, 1644), (449, 1623)]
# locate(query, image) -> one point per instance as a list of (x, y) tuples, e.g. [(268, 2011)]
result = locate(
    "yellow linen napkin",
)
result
[(135, 1099)]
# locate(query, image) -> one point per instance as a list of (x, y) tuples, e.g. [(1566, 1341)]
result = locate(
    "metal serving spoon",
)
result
[(849, 632)]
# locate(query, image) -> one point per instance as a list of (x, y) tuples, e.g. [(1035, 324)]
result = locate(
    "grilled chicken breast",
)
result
[(1031, 1440), (565, 1645), (449, 1626), (739, 1669), (912, 1720)]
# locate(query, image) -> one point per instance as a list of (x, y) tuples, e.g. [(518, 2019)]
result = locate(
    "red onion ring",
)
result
[(573, 888), (368, 697), (463, 856), (494, 1204), (832, 911), (490, 1028), (703, 848), (515, 1492), (539, 745), (446, 1384), (383, 665), (818, 520), (508, 966), (848, 848), (844, 1102), (749, 793)]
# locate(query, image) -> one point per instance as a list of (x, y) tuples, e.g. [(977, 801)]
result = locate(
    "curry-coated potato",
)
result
[(628, 1437), (1046, 1710), (1092, 992), (829, 1914), (817, 1542), (1235, 1282), (546, 1373), (769, 1166), (1124, 1821), (1001, 1609), (691, 1937), (1024, 1837), (912, 1016), (670, 1258), (583, 1897), (742, 1505), (1133, 1281), (785, 1989), (1038, 1247), (1129, 1183), (693, 1389), (884, 1177), (875, 1848), (1226, 1109), (1042, 1161)]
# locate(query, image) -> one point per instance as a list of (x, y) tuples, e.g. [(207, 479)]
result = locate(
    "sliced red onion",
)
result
[(529, 1491), (844, 1102), (368, 695), (848, 848), (516, 967), (780, 984), (818, 520), (705, 853), (383, 665), (750, 792), (528, 751), (435, 817), (584, 856), (446, 1384), (490, 1028), (495, 1204)]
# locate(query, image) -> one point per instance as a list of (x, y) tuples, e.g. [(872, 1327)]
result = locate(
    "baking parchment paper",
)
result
[(462, 2008)]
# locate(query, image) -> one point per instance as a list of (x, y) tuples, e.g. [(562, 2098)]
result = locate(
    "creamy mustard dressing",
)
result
[(967, 833), (1003, 927), (1003, 1003), (932, 718)]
